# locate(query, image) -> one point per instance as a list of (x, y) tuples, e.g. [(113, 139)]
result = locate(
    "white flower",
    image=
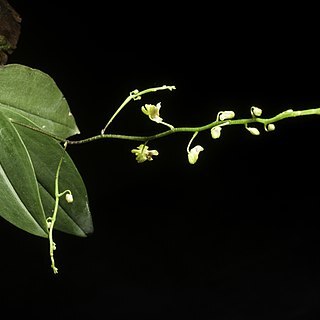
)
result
[(143, 153), (152, 111), (193, 154)]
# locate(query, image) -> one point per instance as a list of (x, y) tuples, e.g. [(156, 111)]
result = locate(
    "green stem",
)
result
[(281, 116), (192, 138), (51, 220), (135, 95)]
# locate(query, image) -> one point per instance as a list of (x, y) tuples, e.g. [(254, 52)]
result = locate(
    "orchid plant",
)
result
[(36, 130)]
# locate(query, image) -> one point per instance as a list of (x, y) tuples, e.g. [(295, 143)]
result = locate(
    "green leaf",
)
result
[(34, 95), (29, 159), (20, 201), (45, 153)]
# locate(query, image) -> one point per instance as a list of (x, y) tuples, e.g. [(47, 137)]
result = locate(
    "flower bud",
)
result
[(134, 93), (253, 131), (216, 132), (69, 197), (193, 154), (225, 115), (270, 127), (256, 112)]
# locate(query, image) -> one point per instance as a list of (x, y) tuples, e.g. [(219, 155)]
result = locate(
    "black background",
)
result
[(234, 236)]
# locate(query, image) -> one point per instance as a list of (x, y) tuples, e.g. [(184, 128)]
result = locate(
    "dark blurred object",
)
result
[(9, 30)]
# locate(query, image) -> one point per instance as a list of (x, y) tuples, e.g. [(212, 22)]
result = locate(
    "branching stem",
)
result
[(265, 121), (51, 220), (136, 95), (142, 153)]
